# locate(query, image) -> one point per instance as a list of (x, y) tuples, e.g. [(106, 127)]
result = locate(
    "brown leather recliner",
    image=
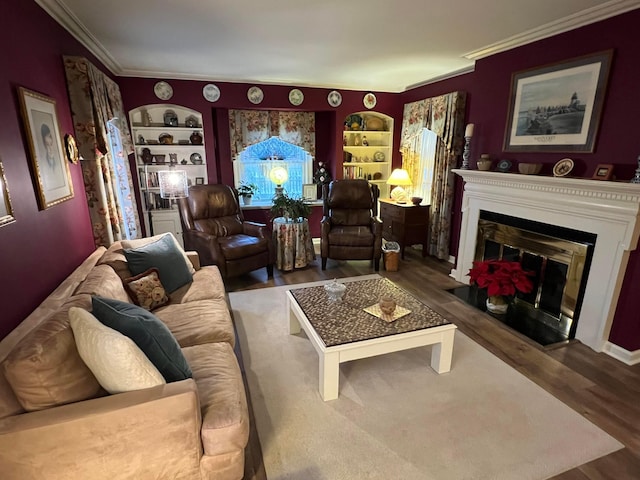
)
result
[(213, 226), (349, 228)]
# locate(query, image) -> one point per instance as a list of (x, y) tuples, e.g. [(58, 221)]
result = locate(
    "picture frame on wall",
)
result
[(6, 210), (51, 172), (199, 180), (557, 108)]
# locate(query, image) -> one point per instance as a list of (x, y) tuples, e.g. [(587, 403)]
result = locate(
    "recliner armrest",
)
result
[(254, 229)]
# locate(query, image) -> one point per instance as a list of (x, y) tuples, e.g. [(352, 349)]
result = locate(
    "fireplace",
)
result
[(605, 215)]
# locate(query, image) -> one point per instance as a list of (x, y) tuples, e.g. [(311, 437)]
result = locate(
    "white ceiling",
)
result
[(345, 44)]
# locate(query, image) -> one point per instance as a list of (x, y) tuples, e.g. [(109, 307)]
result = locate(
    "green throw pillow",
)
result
[(148, 333), (164, 255)]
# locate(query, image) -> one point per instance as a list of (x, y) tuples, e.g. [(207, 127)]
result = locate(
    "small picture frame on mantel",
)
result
[(604, 171)]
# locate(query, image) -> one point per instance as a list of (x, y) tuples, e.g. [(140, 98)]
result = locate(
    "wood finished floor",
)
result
[(600, 388)]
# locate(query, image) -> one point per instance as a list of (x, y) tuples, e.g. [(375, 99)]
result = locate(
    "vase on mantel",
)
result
[(497, 304)]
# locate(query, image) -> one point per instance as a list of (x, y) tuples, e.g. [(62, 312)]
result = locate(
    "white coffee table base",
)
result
[(331, 357)]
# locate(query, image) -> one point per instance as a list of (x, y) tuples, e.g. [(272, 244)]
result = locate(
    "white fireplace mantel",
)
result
[(607, 209)]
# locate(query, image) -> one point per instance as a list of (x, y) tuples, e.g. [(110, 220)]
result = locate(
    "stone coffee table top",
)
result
[(343, 322)]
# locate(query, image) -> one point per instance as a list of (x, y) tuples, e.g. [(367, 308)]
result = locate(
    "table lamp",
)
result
[(399, 178), (173, 183), (278, 175)]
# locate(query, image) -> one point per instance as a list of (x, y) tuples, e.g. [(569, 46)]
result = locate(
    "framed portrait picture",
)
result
[(557, 108), (603, 172), (199, 180), (6, 212), (310, 191), (48, 158)]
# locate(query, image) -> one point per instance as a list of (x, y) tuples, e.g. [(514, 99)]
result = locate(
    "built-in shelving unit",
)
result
[(367, 148), (151, 125)]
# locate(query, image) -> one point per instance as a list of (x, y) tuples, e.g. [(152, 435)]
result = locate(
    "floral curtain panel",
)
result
[(443, 115), (248, 127), (104, 143)]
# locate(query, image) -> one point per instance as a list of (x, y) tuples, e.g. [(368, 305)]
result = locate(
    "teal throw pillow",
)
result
[(148, 333), (165, 255)]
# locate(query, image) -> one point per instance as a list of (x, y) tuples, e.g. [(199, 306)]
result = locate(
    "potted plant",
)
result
[(502, 279), (247, 191), (291, 208)]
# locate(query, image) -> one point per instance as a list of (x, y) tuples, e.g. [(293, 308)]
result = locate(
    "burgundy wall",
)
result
[(617, 143), (329, 120), (43, 246)]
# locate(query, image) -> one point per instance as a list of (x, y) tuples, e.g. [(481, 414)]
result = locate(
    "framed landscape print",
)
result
[(557, 108), (48, 159), (6, 212)]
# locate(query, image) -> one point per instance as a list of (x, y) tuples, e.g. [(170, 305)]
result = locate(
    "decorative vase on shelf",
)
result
[(497, 304), (485, 162), (246, 199), (196, 138)]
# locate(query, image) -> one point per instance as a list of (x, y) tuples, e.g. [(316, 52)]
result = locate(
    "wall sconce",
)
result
[(278, 175), (173, 183), (399, 178)]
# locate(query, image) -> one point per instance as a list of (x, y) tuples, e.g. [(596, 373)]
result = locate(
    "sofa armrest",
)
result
[(151, 433), (194, 258)]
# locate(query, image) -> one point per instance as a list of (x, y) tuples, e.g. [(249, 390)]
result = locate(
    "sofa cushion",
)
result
[(115, 360), (195, 323), (141, 242), (45, 369), (149, 334), (165, 255), (225, 418), (207, 284), (103, 281), (146, 289)]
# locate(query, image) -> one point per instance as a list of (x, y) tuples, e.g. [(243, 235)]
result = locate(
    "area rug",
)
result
[(395, 418)]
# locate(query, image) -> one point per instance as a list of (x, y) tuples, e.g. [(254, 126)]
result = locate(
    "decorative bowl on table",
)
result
[(335, 290)]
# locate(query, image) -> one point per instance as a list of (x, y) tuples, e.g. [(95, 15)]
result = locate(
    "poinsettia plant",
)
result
[(501, 277)]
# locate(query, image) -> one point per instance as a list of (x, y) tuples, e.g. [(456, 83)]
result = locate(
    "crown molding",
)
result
[(456, 73), (577, 20), (65, 17)]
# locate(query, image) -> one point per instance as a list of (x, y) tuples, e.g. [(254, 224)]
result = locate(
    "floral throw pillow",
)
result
[(146, 289)]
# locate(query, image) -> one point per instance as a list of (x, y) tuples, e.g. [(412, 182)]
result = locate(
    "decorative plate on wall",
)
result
[(211, 92), (296, 97), (163, 90), (369, 100), (255, 95), (334, 98)]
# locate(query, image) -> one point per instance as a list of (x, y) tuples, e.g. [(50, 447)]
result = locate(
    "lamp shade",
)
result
[(173, 183), (278, 175), (399, 177)]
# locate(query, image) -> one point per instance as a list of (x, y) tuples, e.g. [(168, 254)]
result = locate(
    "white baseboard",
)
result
[(452, 260), (619, 353)]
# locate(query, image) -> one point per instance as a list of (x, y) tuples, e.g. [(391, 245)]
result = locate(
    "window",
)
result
[(255, 162)]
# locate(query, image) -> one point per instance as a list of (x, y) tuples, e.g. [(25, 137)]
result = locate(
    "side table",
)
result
[(406, 224), (293, 244)]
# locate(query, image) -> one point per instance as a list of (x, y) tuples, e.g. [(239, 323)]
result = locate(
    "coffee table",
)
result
[(342, 331)]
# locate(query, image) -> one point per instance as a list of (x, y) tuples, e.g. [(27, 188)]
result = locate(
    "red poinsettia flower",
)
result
[(500, 277)]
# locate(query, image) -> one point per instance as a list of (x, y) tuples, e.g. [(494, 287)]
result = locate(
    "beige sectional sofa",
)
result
[(56, 422)]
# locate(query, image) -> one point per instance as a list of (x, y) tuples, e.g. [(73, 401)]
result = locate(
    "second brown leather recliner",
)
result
[(213, 226), (349, 228)]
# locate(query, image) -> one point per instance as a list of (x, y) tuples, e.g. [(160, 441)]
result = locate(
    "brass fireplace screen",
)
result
[(559, 257)]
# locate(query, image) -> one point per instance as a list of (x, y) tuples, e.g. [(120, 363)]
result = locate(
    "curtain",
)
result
[(104, 143), (248, 127), (443, 115)]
